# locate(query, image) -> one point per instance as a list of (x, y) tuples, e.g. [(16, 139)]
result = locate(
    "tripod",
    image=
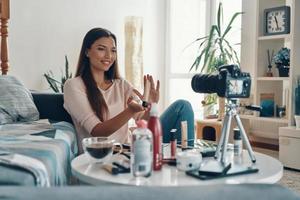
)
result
[(222, 146)]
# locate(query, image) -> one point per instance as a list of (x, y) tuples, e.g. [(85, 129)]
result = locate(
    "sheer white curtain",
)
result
[(186, 20)]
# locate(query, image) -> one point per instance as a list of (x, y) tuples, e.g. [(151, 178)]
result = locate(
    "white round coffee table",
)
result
[(270, 171)]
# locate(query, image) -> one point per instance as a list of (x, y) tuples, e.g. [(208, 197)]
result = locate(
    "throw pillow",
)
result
[(16, 102)]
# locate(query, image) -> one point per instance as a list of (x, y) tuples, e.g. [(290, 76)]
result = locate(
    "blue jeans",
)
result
[(180, 110)]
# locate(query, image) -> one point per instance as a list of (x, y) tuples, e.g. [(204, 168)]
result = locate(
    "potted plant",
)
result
[(55, 85), (214, 51), (282, 61)]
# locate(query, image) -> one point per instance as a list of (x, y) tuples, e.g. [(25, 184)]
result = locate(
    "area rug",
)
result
[(290, 178)]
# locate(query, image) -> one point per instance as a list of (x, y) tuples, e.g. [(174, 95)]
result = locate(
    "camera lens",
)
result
[(205, 83)]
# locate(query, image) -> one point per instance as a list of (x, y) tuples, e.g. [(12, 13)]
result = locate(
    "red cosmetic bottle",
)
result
[(155, 127)]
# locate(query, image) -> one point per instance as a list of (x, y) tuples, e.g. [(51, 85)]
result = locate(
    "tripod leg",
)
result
[(223, 132), (245, 138), (226, 137)]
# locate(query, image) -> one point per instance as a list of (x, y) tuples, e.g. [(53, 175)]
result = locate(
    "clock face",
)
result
[(277, 20)]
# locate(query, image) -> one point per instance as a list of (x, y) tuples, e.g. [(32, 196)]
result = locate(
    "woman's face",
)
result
[(102, 54)]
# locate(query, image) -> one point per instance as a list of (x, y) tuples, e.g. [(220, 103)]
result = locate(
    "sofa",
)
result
[(116, 192), (34, 151), (50, 106)]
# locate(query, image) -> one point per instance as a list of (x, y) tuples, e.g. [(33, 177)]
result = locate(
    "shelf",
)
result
[(267, 119), (275, 37), (272, 78)]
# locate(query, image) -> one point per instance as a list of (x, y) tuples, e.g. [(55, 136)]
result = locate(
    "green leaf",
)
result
[(196, 63), (198, 39), (210, 66), (55, 85), (209, 45), (67, 66), (198, 59), (237, 61), (219, 18), (52, 82), (230, 23)]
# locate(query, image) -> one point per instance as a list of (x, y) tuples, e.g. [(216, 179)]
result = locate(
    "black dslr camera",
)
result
[(230, 82)]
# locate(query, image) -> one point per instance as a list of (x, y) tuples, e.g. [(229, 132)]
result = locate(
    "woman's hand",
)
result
[(154, 91), (134, 106), (151, 93)]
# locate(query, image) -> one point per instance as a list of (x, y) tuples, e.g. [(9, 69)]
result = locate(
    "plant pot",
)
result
[(283, 71)]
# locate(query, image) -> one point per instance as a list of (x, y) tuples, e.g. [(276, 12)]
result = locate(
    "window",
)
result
[(188, 20)]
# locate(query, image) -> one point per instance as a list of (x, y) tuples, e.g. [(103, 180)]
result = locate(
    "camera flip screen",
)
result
[(235, 87)]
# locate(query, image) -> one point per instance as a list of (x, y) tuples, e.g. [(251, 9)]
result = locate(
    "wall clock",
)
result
[(277, 20)]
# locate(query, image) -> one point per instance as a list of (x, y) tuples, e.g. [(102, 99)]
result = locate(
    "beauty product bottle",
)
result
[(141, 151), (173, 143), (238, 143), (155, 127), (184, 140)]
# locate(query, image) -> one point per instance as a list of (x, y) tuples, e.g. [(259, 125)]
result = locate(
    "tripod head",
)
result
[(234, 103)]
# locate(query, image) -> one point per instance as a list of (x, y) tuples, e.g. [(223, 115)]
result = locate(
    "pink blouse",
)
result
[(84, 118)]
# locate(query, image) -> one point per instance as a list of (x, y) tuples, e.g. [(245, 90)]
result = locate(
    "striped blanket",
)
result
[(53, 145)]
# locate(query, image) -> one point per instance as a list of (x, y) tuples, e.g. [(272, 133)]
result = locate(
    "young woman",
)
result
[(100, 102)]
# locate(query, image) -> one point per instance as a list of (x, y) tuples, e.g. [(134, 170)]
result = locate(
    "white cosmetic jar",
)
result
[(188, 160)]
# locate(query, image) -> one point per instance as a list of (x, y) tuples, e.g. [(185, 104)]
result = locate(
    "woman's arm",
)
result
[(108, 127), (78, 106)]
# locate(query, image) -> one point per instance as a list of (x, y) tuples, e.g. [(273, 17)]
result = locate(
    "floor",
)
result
[(290, 178)]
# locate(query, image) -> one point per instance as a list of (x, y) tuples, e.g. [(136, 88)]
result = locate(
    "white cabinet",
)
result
[(289, 147), (255, 61)]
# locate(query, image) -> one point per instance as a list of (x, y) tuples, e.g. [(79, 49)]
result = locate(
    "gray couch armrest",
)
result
[(203, 192), (50, 106)]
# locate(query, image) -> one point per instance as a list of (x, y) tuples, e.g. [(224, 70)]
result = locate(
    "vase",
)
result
[(283, 71)]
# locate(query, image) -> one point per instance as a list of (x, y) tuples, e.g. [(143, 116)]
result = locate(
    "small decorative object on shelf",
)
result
[(267, 104), (270, 59), (282, 61), (280, 111), (297, 97)]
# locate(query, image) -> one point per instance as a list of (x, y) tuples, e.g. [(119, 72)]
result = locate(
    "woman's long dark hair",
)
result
[(94, 95)]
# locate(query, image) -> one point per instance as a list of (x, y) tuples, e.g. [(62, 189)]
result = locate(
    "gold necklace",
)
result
[(104, 85)]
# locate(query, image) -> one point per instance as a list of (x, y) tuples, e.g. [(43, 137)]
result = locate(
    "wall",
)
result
[(248, 36), (41, 32)]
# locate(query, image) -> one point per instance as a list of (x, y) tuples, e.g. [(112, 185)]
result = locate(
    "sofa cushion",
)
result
[(16, 103)]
